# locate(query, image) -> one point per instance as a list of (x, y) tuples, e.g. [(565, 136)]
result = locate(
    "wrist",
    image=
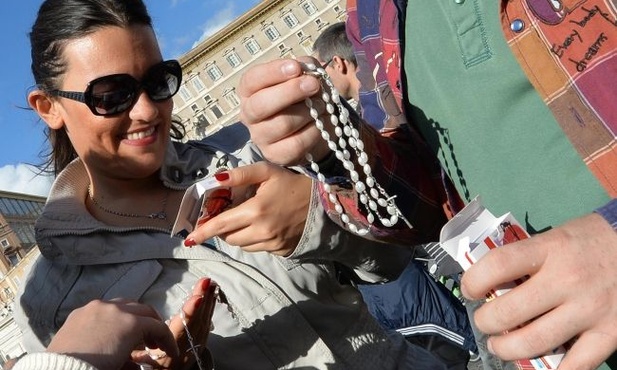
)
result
[(609, 213)]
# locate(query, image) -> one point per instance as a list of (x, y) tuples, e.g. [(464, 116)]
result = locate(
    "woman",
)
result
[(104, 92)]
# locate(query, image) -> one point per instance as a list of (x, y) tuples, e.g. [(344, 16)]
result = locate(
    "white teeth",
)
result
[(141, 134)]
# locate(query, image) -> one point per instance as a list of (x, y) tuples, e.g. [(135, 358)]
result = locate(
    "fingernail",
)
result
[(489, 346), (289, 68), (221, 176), (189, 242), (205, 284), (309, 84)]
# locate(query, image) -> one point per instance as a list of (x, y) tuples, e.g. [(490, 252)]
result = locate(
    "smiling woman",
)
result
[(104, 93)]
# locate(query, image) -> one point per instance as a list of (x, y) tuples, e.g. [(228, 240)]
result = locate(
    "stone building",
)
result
[(18, 213), (207, 100)]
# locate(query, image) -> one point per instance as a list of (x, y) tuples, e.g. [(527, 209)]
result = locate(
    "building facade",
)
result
[(207, 100), (18, 213)]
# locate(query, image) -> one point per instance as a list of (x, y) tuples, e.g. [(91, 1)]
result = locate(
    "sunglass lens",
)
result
[(113, 94), (163, 82)]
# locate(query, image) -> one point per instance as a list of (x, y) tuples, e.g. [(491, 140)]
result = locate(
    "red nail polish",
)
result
[(221, 176), (189, 243), (205, 284)]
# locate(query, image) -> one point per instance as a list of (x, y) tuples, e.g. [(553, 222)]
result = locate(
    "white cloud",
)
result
[(218, 21), (23, 179)]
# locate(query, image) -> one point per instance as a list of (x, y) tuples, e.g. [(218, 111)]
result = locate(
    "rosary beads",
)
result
[(379, 205)]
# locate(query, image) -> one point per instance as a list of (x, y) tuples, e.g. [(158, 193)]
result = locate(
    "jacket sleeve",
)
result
[(51, 361), (326, 241)]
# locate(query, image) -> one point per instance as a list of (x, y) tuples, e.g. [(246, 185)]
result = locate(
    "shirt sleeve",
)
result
[(609, 212), (51, 361)]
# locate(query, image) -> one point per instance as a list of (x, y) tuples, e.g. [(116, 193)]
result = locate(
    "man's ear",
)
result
[(46, 108), (339, 64)]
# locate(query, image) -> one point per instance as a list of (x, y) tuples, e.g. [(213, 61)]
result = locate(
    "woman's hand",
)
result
[(272, 220), (273, 109), (197, 314), (103, 333)]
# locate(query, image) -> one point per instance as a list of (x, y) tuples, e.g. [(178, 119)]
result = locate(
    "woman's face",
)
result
[(130, 144)]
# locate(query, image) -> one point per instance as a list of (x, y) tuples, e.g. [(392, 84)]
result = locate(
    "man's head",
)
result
[(334, 50)]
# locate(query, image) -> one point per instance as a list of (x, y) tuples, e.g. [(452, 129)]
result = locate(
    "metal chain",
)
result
[(161, 215)]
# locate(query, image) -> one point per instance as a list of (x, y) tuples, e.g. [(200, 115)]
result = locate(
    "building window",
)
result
[(300, 35), (307, 45), (4, 243), (290, 20), (233, 59), (272, 33), (197, 84), (309, 8), (252, 46), (184, 93), (216, 111), (195, 108), (318, 22), (214, 72), (232, 98)]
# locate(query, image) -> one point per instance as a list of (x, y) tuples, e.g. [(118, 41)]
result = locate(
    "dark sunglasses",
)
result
[(114, 94)]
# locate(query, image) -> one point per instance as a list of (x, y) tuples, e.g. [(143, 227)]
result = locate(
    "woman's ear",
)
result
[(46, 108)]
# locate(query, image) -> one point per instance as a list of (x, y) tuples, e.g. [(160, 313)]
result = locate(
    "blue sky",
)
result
[(179, 24)]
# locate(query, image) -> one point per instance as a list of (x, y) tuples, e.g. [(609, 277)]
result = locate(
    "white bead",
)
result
[(360, 187), (348, 165), (332, 146), (382, 202), (338, 132), (354, 176), (352, 142), (347, 131), (386, 222), (313, 112), (338, 208), (319, 124), (332, 198), (325, 97), (311, 66), (360, 145), (308, 102), (325, 135), (342, 143), (336, 97), (363, 159), (347, 154), (392, 210), (370, 181), (393, 220), (343, 118), (352, 228), (345, 218), (315, 167), (334, 120), (363, 199), (327, 188), (339, 155), (362, 232), (372, 205), (309, 157), (370, 218), (355, 133), (321, 177), (330, 108), (367, 169), (374, 193)]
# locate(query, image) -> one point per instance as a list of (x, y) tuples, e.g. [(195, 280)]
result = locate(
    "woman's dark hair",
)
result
[(58, 22)]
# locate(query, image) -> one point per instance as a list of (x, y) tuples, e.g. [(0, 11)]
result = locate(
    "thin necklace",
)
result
[(161, 215)]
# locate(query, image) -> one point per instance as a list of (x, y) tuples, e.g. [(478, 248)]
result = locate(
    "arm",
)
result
[(273, 110)]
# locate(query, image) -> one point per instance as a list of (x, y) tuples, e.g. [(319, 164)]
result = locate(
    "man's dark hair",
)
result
[(332, 42)]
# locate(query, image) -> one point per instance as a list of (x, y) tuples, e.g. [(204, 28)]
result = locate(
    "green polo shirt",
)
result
[(491, 130)]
